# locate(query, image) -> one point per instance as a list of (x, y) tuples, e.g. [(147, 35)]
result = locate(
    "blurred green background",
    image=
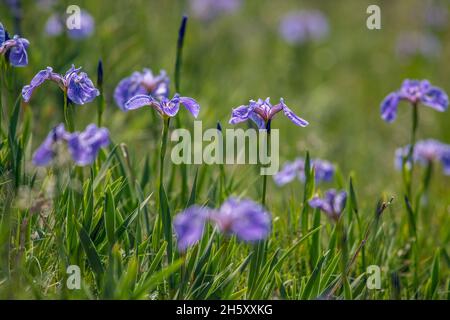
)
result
[(336, 83)]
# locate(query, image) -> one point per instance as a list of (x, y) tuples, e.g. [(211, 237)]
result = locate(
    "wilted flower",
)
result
[(141, 83), (189, 226), (414, 91), (333, 203), (426, 151), (14, 49), (209, 9), (83, 146), (79, 87), (415, 43), (302, 26), (56, 25), (245, 219), (323, 171), (261, 112), (165, 107)]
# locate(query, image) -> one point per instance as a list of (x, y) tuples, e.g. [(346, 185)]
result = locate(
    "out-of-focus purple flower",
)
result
[(244, 218), (165, 107), (14, 49), (83, 146), (410, 44), (436, 15), (323, 171), (261, 112), (78, 86), (141, 83), (210, 9), (425, 151), (304, 25), (333, 203), (56, 25), (414, 91), (46, 151), (189, 226)]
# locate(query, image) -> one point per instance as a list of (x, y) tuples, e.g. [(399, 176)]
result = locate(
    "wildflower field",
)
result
[(94, 205)]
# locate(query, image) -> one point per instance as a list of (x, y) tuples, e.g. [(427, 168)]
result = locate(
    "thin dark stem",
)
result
[(68, 117)]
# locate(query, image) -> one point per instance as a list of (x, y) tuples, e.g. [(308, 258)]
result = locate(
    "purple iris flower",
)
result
[(332, 204), (261, 112), (165, 107), (323, 171), (426, 151), (244, 218), (79, 87), (15, 49), (83, 146), (141, 83), (414, 91), (56, 25), (304, 25), (189, 226)]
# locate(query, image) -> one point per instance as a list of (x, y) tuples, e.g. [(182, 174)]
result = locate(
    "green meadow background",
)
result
[(337, 84)]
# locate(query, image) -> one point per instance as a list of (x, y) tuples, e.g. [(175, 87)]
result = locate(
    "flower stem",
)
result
[(164, 137), (68, 116)]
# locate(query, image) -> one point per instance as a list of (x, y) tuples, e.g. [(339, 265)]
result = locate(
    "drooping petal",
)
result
[(256, 118), (189, 226), (139, 101), (292, 116), (190, 104), (289, 172), (389, 107), (37, 80), (318, 203), (435, 98)]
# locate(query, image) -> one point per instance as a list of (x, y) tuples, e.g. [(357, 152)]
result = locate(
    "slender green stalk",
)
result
[(163, 148), (410, 158), (68, 115)]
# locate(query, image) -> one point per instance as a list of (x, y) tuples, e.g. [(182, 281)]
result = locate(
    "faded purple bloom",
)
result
[(244, 218), (165, 107), (141, 83), (333, 203), (209, 9), (425, 151), (304, 25), (323, 171), (436, 15), (56, 25), (261, 112), (410, 44), (14, 49), (79, 87), (414, 91), (46, 151), (83, 146), (189, 226)]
